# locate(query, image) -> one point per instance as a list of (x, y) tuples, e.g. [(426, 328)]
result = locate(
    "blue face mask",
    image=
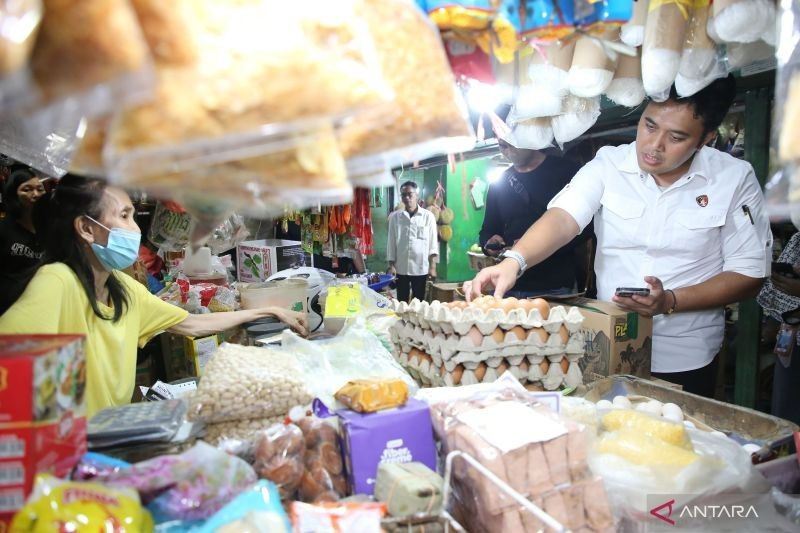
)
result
[(121, 250)]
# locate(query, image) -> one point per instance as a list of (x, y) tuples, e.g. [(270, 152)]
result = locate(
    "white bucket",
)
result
[(286, 293)]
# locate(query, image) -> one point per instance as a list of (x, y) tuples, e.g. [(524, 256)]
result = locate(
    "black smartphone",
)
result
[(627, 292), (785, 269), (494, 246)]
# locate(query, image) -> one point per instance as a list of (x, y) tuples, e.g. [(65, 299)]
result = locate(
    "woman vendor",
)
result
[(88, 235)]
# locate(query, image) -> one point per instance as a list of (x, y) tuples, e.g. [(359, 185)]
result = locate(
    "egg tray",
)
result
[(516, 341), (545, 371), (439, 318)]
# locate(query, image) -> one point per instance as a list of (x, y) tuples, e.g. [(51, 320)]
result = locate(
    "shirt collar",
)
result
[(699, 166), (416, 211)]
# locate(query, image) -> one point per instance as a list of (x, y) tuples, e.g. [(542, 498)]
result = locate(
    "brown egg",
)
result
[(457, 372), (519, 332), (480, 372), (564, 333), (564, 365), (545, 366), (526, 305), (524, 365), (508, 304), (501, 368), (498, 335), (542, 306), (413, 354), (475, 336), (543, 336)]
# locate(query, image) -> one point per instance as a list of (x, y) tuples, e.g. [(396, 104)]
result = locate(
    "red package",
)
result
[(469, 61)]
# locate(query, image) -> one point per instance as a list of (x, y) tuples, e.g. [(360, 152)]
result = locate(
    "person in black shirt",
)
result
[(515, 202), (19, 249)]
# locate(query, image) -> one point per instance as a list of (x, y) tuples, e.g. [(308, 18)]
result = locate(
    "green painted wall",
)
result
[(453, 260)]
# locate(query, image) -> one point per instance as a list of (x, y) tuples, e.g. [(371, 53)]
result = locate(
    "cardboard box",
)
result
[(186, 357), (258, 260), (42, 412), (445, 292), (401, 435), (616, 341)]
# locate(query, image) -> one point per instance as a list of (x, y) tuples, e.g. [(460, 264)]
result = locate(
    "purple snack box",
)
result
[(399, 435)]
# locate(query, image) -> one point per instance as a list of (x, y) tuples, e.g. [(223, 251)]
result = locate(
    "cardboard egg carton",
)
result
[(442, 319)]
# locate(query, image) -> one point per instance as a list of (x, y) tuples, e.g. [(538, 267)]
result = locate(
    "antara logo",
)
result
[(664, 512)]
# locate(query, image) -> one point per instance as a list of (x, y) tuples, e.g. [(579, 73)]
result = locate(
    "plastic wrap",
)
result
[(329, 364), (19, 24), (664, 35), (742, 21), (626, 89), (256, 509), (592, 65), (88, 158), (289, 51), (428, 116), (93, 464), (238, 437), (101, 40), (632, 33), (303, 460), (170, 230), (53, 506), (370, 395), (544, 95), (241, 382), (350, 517), (528, 447), (191, 486), (579, 115), (701, 62), (635, 461)]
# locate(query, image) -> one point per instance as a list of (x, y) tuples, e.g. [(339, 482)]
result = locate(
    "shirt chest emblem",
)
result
[(702, 200)]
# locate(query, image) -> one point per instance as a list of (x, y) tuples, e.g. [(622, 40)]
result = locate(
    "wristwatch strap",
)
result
[(516, 256)]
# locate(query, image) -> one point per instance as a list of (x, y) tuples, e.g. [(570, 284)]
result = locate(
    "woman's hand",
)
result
[(297, 321), (787, 284)]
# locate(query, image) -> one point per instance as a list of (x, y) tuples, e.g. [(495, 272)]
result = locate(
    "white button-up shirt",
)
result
[(711, 220), (412, 240)]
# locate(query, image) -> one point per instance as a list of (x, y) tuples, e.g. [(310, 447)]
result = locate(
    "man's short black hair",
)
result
[(712, 103), (410, 184)]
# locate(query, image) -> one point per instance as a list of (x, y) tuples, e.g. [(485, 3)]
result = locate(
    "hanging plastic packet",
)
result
[(665, 33), (547, 69), (207, 111), (19, 25), (742, 21), (701, 62), (600, 15), (632, 33), (547, 20), (626, 88), (530, 133), (56, 505), (579, 115), (478, 21), (593, 64), (428, 116)]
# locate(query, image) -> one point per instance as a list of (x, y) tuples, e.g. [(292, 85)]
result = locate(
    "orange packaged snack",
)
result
[(370, 395)]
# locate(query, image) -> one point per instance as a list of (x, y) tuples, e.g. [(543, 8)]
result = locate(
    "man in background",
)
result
[(413, 246)]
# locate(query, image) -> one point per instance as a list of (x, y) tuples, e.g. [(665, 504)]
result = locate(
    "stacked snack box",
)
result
[(42, 412)]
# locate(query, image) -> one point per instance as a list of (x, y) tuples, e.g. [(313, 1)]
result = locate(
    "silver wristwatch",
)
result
[(516, 256)]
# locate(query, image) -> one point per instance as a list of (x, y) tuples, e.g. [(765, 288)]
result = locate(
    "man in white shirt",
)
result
[(413, 246), (671, 214)]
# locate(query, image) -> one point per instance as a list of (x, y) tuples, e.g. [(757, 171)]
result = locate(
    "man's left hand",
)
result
[(656, 303)]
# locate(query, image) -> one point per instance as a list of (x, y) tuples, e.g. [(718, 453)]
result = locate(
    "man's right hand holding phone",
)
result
[(658, 300)]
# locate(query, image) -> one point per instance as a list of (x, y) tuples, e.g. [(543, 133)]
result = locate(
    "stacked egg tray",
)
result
[(443, 346)]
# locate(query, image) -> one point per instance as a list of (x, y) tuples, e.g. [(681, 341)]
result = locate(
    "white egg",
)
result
[(751, 448), (622, 401), (604, 404), (719, 434), (655, 404), (670, 411), (688, 424), (649, 408)]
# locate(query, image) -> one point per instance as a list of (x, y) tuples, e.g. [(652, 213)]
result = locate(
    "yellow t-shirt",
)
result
[(55, 302)]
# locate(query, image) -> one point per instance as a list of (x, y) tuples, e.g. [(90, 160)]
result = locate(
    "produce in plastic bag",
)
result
[(53, 506), (191, 486), (664, 35), (592, 65), (370, 395), (626, 88), (428, 115), (579, 115), (354, 353), (350, 517), (279, 453), (632, 33), (241, 382), (209, 112), (88, 158), (238, 437), (257, 509), (742, 21), (19, 24), (101, 40), (165, 29)]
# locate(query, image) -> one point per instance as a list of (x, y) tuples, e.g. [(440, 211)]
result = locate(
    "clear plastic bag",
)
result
[(626, 89), (329, 364), (171, 227), (279, 452), (664, 36), (593, 65), (428, 115), (208, 112), (241, 383), (19, 25), (256, 509), (579, 115)]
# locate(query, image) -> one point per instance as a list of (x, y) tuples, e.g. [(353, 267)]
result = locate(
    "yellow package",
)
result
[(664, 430), (641, 449), (76, 506), (370, 395)]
